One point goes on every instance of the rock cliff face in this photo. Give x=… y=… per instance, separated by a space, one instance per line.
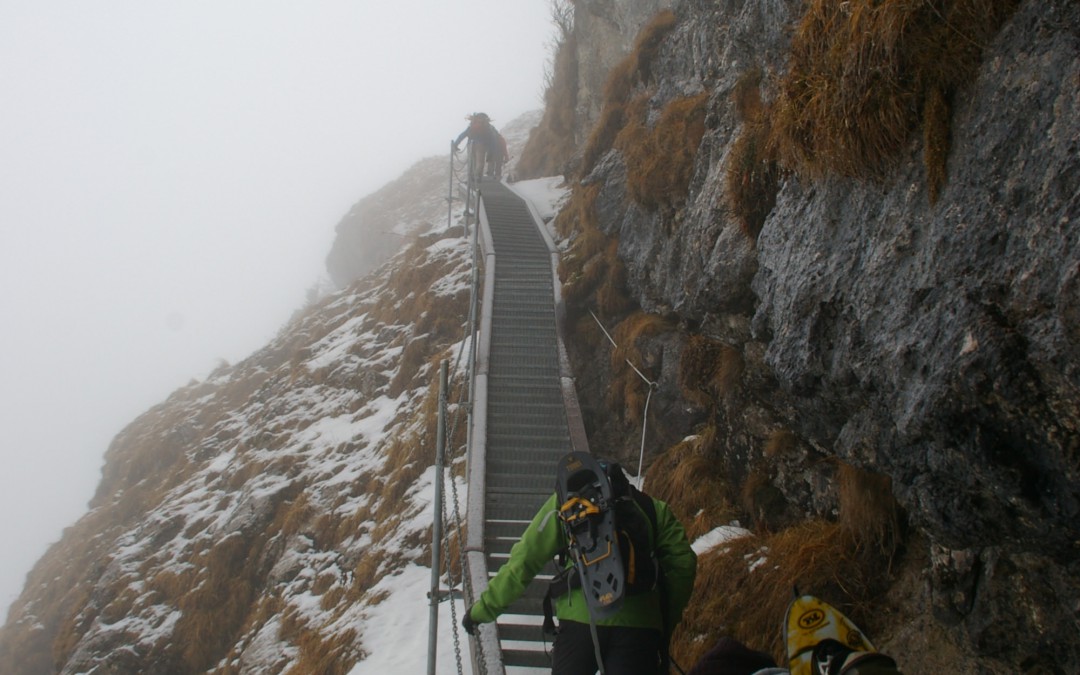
x=610 y=27
x=878 y=373
x=931 y=337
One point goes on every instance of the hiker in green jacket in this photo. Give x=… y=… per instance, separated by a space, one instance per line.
x=632 y=641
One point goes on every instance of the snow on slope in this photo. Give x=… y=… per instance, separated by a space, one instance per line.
x=277 y=515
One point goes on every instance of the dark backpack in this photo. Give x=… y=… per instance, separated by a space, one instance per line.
x=635 y=531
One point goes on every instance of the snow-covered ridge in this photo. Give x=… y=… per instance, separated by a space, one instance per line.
x=254 y=521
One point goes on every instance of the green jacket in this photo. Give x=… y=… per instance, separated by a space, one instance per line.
x=544 y=538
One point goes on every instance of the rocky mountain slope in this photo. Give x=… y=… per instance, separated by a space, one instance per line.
x=841 y=239
x=255 y=521
x=838 y=239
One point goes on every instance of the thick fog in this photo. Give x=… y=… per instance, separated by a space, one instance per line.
x=171 y=177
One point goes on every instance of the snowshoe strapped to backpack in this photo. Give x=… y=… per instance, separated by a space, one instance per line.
x=608 y=540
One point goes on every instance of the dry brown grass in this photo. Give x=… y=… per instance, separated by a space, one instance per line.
x=439 y=320
x=214 y=611
x=404 y=462
x=553 y=142
x=648 y=41
x=752 y=174
x=629 y=331
x=612 y=297
x=750 y=605
x=709 y=371
x=758 y=498
x=331 y=530
x=634 y=69
x=936 y=118
x=863 y=72
x=660 y=161
x=326 y=655
x=868 y=510
x=70 y=629
x=686 y=478
x=781 y=442
x=366 y=573
x=591 y=271
x=583 y=269
x=415 y=355
x=846 y=562
x=332 y=598
x=628 y=391
x=171 y=583
x=612 y=115
x=578 y=216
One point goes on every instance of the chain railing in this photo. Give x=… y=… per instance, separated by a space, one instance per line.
x=468 y=383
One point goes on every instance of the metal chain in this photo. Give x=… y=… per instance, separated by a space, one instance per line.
x=450 y=586
x=458 y=524
x=459 y=405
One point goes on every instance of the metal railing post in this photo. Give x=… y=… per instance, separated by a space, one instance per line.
x=436 y=529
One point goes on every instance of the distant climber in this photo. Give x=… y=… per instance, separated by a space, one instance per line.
x=489 y=151
x=633 y=639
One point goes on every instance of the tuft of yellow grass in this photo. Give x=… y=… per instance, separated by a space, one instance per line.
x=752 y=174
x=743 y=587
x=592 y=273
x=686 y=477
x=780 y=442
x=660 y=161
x=865 y=74
x=709 y=371
x=868 y=510
x=628 y=391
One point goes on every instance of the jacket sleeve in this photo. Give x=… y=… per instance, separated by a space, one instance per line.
x=678 y=561
x=462 y=135
x=538 y=545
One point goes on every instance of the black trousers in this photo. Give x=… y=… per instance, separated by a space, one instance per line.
x=626 y=651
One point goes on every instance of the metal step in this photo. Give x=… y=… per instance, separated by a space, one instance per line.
x=525 y=351
x=508 y=444
x=510 y=379
x=524 y=505
x=505 y=528
x=523 y=633
x=528 y=414
x=534 y=462
x=529 y=289
x=527 y=658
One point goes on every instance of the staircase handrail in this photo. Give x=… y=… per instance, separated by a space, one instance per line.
x=485 y=646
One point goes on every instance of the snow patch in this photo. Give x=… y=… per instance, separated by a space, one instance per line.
x=720 y=535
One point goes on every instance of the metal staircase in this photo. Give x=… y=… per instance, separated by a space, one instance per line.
x=530 y=416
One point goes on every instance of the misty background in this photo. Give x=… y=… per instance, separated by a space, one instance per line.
x=170 y=179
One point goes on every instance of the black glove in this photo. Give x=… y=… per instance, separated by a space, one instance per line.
x=467 y=622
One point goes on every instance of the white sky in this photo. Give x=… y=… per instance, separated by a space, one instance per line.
x=170 y=177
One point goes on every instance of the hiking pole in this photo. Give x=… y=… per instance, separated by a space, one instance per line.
x=580 y=564
x=450 y=195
